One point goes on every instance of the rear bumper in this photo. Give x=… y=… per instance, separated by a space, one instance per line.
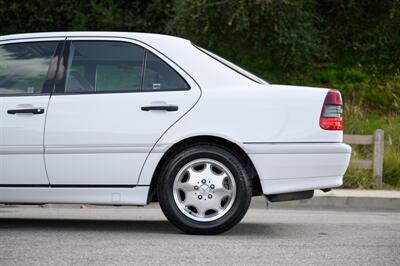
x=292 y=167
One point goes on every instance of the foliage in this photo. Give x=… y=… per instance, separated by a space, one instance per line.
x=59 y=15
x=362 y=32
x=283 y=31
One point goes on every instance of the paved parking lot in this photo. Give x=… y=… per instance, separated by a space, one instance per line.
x=141 y=236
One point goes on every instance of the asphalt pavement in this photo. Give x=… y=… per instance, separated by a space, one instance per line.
x=69 y=235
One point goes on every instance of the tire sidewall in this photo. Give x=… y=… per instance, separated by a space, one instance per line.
x=235 y=213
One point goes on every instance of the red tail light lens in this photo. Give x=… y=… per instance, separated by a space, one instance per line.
x=332 y=110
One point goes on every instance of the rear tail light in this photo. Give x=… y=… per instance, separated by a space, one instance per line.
x=331 y=115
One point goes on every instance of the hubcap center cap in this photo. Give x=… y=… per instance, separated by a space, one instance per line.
x=204 y=189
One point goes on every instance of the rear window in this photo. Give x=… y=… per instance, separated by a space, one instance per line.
x=232 y=66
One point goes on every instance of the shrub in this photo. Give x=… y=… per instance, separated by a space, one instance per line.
x=281 y=31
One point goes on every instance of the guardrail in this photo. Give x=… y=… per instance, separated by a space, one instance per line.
x=376 y=164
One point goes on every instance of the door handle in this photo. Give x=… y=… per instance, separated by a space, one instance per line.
x=35 y=111
x=168 y=108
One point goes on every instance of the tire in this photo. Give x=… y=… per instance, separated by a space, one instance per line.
x=189 y=198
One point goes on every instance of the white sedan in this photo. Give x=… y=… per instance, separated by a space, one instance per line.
x=118 y=118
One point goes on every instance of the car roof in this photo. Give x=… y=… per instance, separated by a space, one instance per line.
x=133 y=35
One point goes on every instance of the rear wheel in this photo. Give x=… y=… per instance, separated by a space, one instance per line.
x=204 y=189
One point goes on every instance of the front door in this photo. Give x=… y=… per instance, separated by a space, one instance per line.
x=26 y=75
x=115 y=100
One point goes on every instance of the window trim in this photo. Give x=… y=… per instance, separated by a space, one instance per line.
x=243 y=72
x=59 y=85
x=53 y=64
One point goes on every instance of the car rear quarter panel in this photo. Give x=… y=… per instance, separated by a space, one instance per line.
x=258 y=113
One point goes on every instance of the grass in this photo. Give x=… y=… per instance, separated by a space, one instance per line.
x=358 y=121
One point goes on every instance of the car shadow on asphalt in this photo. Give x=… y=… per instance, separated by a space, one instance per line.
x=87 y=225
x=126 y=226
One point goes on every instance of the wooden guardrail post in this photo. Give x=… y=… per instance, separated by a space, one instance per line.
x=376 y=164
x=378 y=158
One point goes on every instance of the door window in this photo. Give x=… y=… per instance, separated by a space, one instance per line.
x=159 y=76
x=104 y=66
x=24 y=67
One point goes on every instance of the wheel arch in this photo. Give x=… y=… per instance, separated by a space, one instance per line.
x=205 y=139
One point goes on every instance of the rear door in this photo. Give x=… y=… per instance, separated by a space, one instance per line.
x=27 y=70
x=114 y=101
